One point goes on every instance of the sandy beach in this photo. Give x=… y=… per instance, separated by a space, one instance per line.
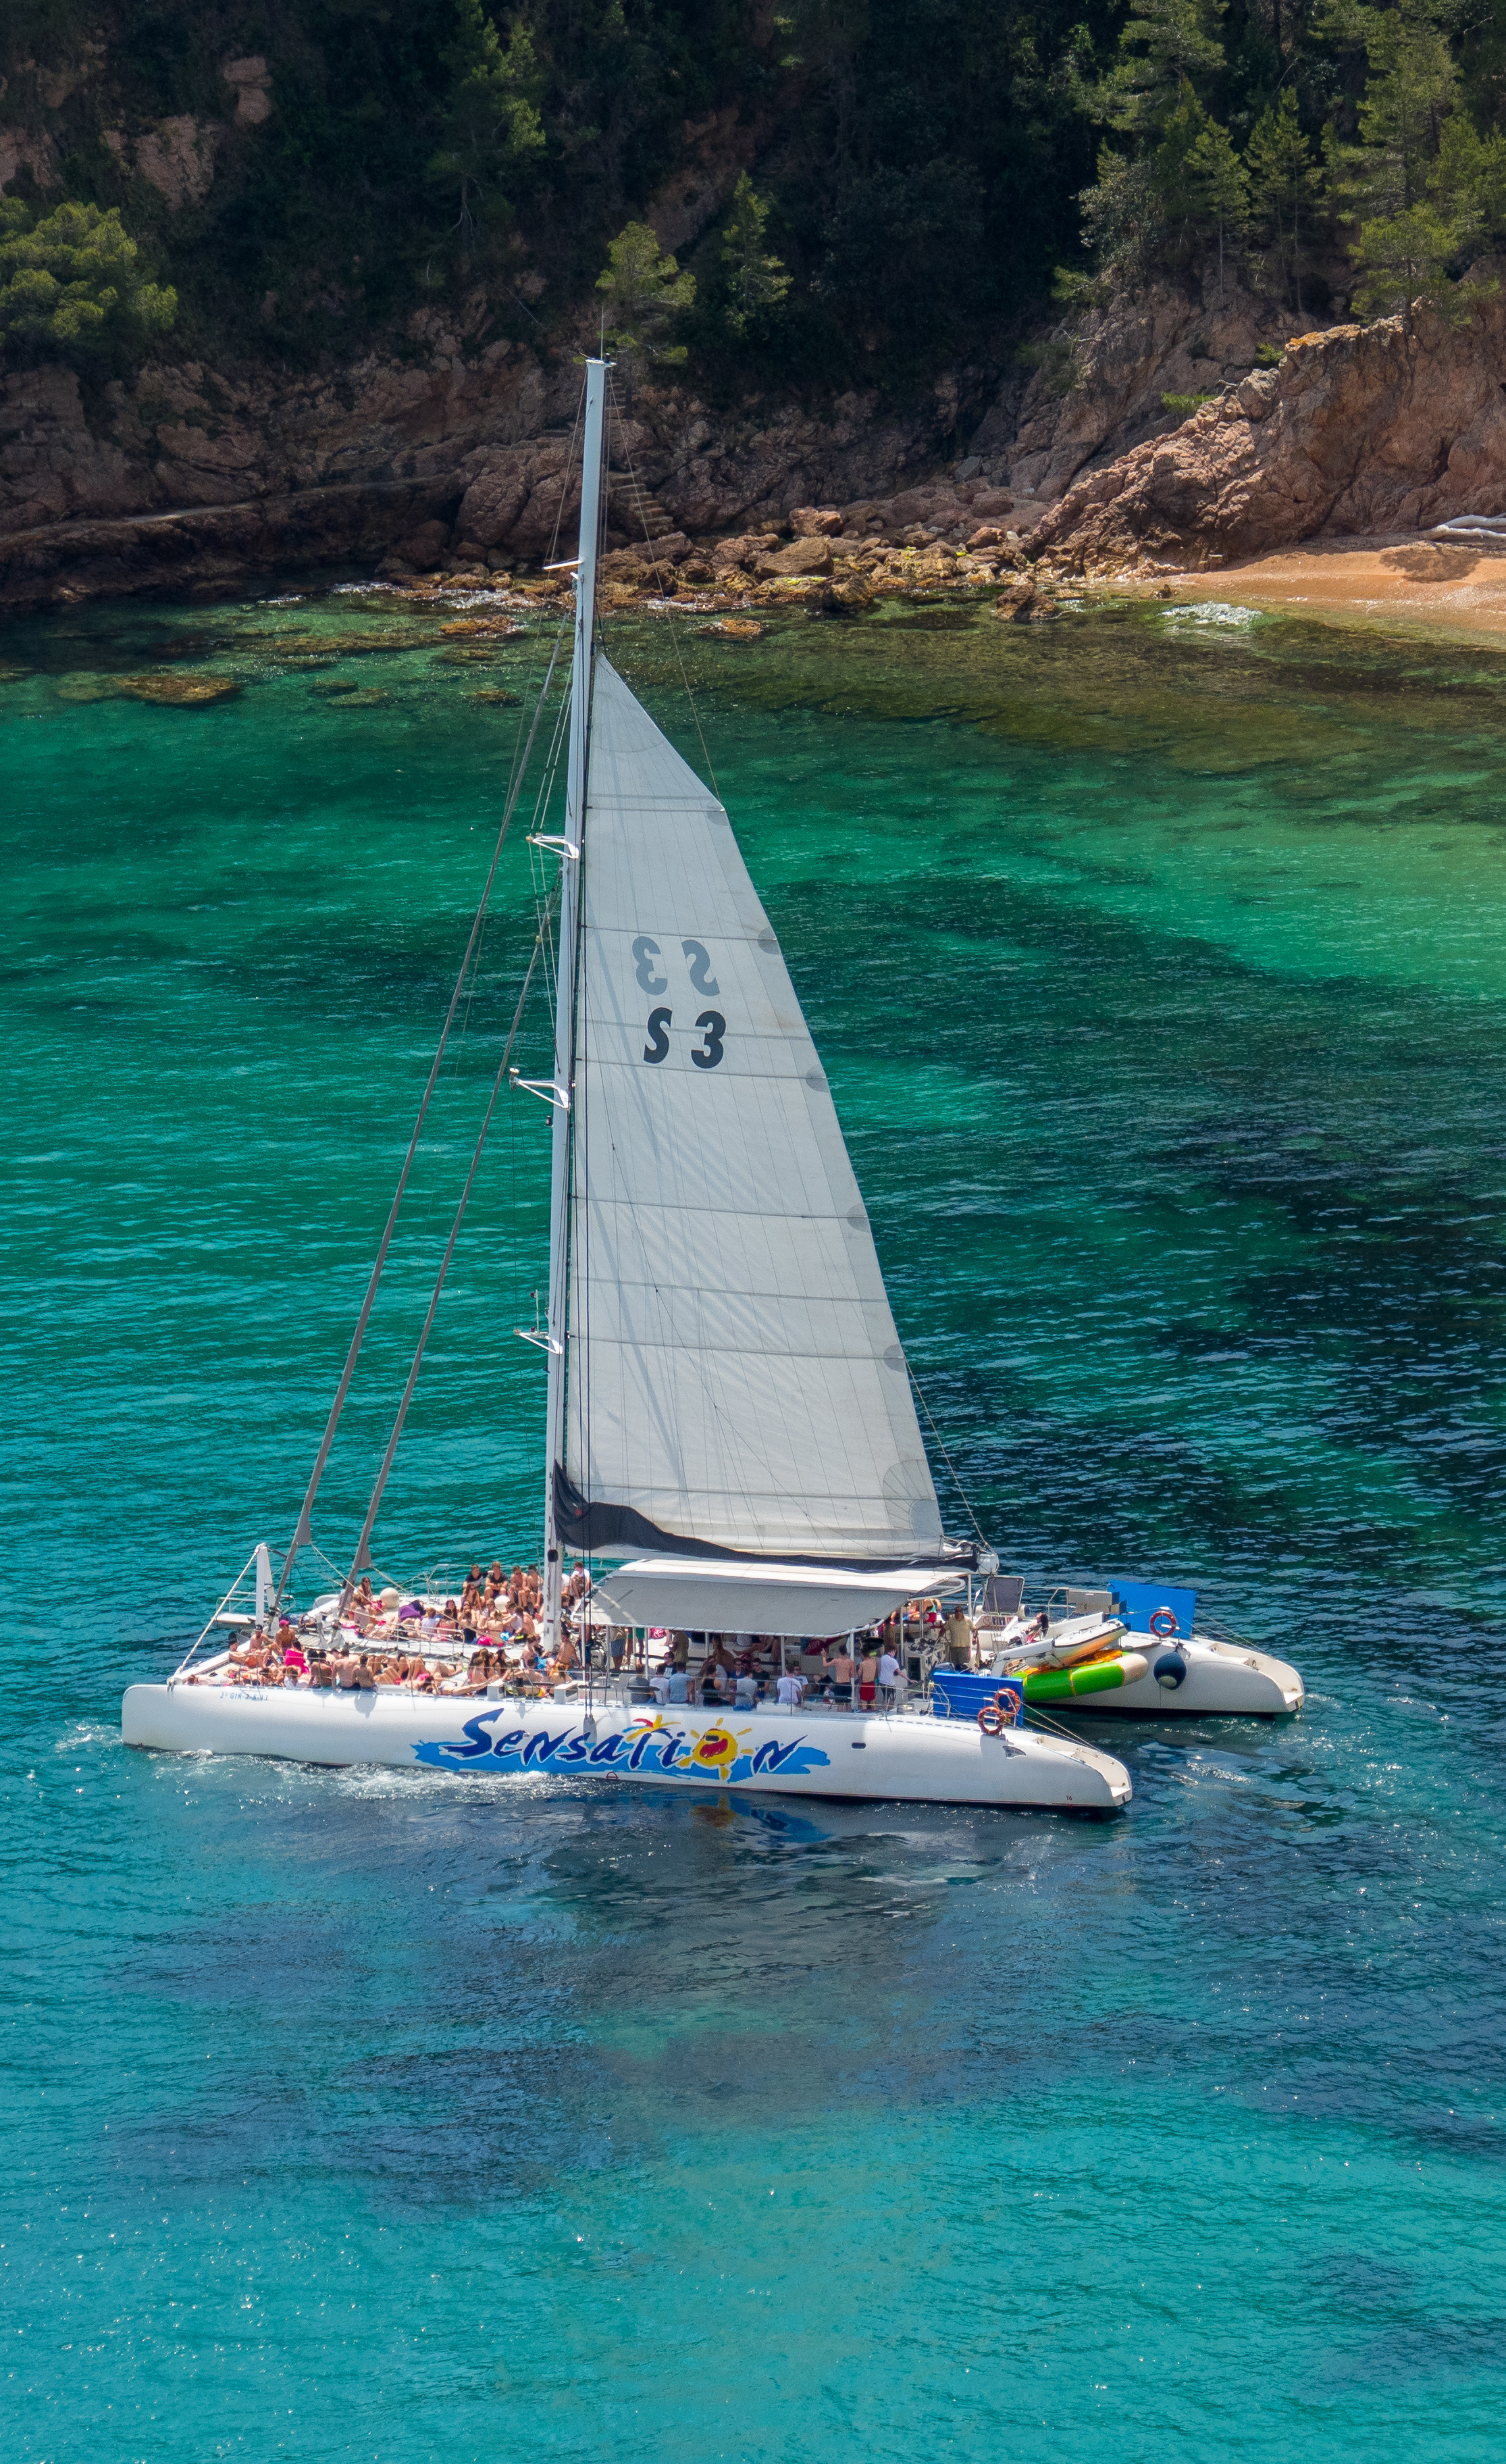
x=1409 y=582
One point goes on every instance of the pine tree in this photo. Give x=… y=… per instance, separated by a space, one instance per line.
x=1420 y=182
x=1413 y=88
x=1287 y=190
x=1467 y=182
x=1199 y=179
x=1219 y=190
x=1403 y=257
x=645 y=293
x=1139 y=209
x=757 y=283
x=1165 y=45
x=491 y=126
x=73 y=276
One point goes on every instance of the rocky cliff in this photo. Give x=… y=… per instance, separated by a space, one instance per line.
x=453 y=454
x=1100 y=379
x=1363 y=429
x=188 y=475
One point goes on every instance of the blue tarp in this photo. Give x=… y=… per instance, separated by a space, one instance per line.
x=1136 y=1602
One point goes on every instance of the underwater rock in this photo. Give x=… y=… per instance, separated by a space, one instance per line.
x=86 y=688
x=1019 y=604
x=464 y=654
x=178 y=691
x=496 y=697
x=732 y=629
x=364 y=697
x=355 y=645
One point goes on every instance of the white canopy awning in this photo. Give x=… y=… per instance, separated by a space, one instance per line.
x=720 y=1596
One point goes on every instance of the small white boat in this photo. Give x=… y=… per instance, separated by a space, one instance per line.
x=731 y=1440
x=1185 y=1672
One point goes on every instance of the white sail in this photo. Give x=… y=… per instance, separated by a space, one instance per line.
x=733 y=1376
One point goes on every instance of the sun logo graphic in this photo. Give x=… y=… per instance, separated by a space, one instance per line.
x=715 y=1752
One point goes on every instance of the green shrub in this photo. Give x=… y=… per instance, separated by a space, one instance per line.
x=74 y=277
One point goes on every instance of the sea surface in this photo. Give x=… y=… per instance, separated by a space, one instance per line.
x=1158 y=959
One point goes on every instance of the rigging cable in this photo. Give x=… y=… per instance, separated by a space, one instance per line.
x=361 y=1558
x=966 y=1502
x=302 y=1531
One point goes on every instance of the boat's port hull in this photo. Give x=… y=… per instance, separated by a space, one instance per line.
x=810 y=1753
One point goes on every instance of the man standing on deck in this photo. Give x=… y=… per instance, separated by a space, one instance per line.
x=956 y=1636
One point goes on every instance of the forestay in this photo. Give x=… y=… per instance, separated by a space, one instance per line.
x=734 y=1380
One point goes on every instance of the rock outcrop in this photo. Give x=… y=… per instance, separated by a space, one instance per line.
x=1100 y=380
x=1362 y=429
x=168 y=480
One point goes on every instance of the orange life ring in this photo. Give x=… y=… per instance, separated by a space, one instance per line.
x=998 y=1715
x=1164 y=1624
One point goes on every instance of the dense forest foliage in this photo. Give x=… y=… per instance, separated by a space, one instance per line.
x=916 y=175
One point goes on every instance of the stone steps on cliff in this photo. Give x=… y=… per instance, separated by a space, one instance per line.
x=633 y=511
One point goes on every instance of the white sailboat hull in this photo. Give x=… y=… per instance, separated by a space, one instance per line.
x=1223 y=1680
x=1219 y=1681
x=814 y=1752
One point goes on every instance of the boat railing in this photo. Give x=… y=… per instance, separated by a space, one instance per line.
x=1062 y=1600
x=257 y=1573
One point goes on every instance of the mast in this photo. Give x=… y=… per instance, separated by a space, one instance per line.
x=592 y=462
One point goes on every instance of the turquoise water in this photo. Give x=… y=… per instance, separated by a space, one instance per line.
x=1157 y=965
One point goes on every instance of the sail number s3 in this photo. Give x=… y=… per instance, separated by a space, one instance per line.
x=648 y=960
x=710 y=1024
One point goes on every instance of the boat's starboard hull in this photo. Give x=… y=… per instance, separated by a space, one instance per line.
x=804 y=1753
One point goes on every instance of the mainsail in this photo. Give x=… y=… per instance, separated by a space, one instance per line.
x=734 y=1380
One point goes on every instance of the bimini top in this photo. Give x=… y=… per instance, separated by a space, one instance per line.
x=720 y=1597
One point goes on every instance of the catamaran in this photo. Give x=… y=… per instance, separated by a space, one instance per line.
x=730 y=1438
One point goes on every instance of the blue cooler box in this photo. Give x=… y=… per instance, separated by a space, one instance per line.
x=959 y=1694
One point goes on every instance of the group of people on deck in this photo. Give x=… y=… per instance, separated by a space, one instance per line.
x=490 y=1638
x=740 y=1672
x=865 y=1672
x=491 y=1633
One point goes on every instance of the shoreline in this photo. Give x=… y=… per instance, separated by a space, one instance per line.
x=1405 y=585
x=1400 y=582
